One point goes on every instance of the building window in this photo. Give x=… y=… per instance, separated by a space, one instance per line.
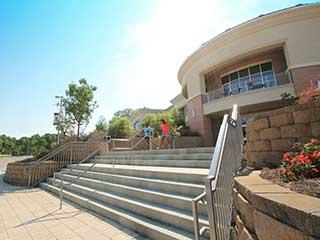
x=244 y=119
x=251 y=78
x=317 y=83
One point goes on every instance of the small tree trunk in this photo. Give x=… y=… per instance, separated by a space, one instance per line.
x=78 y=132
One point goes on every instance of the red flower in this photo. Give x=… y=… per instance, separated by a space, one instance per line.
x=287 y=155
x=303 y=162
x=315 y=155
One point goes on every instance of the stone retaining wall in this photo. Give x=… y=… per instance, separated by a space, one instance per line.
x=16 y=172
x=265 y=211
x=270 y=134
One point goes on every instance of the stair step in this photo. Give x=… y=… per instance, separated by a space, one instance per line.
x=160 y=213
x=173 y=163
x=149 y=191
x=121 y=149
x=187 y=156
x=181 y=188
x=143 y=225
x=167 y=199
x=190 y=175
x=166 y=151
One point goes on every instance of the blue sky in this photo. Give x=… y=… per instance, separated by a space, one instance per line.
x=131 y=50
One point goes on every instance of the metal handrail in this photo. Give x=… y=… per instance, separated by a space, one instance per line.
x=70 y=169
x=48 y=155
x=207 y=197
x=133 y=146
x=125 y=139
x=248 y=86
x=58 y=156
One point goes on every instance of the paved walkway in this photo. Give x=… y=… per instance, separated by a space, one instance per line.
x=34 y=214
x=5 y=160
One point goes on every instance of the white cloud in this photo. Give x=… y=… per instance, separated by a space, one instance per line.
x=154 y=50
x=146 y=66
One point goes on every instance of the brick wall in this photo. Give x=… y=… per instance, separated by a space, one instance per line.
x=180 y=142
x=303 y=76
x=271 y=134
x=198 y=122
x=277 y=57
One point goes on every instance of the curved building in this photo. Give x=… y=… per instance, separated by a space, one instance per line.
x=251 y=64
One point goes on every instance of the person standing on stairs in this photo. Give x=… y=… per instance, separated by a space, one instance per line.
x=165 y=135
x=148 y=133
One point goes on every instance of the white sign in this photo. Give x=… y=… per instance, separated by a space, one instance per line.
x=56 y=118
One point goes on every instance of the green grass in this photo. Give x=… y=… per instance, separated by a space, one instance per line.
x=4 y=155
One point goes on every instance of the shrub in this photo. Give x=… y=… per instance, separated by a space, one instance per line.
x=102 y=125
x=288 y=99
x=302 y=162
x=120 y=127
x=310 y=94
x=186 y=131
x=172 y=117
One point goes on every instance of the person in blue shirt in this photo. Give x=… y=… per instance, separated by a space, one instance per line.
x=148 y=133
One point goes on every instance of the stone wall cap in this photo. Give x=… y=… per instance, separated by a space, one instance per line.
x=295 y=209
x=291 y=108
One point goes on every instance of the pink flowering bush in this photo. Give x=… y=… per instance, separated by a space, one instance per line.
x=302 y=162
x=310 y=94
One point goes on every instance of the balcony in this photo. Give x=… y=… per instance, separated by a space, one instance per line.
x=246 y=84
x=258 y=89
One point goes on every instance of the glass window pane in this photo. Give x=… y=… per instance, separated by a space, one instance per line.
x=225 y=79
x=233 y=76
x=254 y=69
x=244 y=84
x=235 y=87
x=256 y=82
x=266 y=67
x=226 y=89
x=244 y=72
x=268 y=79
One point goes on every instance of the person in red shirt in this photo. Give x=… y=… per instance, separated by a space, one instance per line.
x=165 y=135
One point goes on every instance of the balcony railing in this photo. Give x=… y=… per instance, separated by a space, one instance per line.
x=246 y=84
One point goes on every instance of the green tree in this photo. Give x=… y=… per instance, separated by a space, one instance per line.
x=119 y=127
x=79 y=103
x=124 y=113
x=26 y=145
x=65 y=126
x=7 y=144
x=172 y=117
x=102 y=126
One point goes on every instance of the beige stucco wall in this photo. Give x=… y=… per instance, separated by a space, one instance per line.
x=179 y=101
x=263 y=95
x=139 y=114
x=296 y=29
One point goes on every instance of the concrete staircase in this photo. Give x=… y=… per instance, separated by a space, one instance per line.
x=147 y=191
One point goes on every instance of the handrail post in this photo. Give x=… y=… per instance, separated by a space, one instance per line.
x=150 y=143
x=210 y=208
x=195 y=220
x=71 y=150
x=54 y=178
x=61 y=194
x=113 y=147
x=29 y=177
